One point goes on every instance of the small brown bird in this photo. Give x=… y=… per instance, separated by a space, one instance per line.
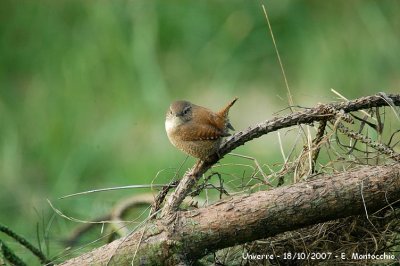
x=196 y=130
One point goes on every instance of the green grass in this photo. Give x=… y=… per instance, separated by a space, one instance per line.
x=84 y=86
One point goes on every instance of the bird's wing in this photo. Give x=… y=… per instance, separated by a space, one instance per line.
x=196 y=132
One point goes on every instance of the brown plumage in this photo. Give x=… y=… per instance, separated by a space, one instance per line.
x=196 y=130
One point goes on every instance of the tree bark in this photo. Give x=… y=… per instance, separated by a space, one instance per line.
x=241 y=219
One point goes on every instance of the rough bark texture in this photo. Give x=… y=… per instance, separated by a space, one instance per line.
x=246 y=218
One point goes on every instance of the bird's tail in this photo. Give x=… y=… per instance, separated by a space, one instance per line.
x=224 y=111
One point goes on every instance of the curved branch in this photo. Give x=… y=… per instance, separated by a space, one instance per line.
x=308 y=116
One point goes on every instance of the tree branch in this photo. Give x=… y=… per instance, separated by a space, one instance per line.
x=308 y=116
x=247 y=218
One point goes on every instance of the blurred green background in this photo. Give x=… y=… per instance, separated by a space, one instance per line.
x=84 y=86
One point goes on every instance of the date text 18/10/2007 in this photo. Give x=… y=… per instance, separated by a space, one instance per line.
x=318 y=256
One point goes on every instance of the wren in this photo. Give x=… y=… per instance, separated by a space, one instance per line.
x=196 y=130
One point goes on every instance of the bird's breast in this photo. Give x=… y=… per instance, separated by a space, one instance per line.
x=169 y=125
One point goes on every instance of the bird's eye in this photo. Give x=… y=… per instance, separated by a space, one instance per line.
x=186 y=110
